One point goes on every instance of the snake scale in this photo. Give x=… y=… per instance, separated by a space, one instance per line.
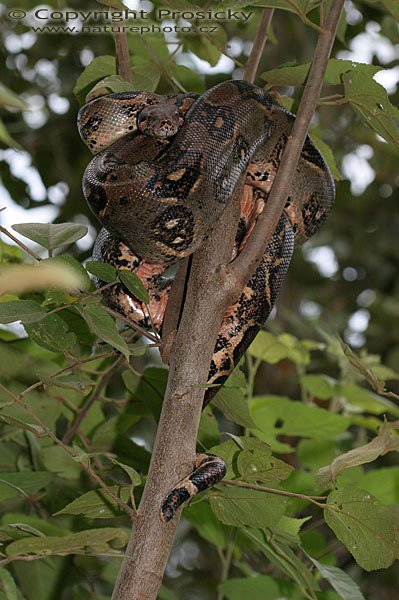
x=164 y=169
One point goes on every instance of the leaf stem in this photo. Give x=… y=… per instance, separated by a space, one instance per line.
x=263 y=488
x=226 y=561
x=19 y=243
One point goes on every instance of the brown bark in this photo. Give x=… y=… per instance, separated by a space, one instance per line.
x=252 y=65
x=213 y=284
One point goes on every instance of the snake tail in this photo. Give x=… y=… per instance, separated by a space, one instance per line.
x=208 y=470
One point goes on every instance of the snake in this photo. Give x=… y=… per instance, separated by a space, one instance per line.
x=163 y=172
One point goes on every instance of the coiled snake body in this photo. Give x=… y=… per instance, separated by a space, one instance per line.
x=163 y=171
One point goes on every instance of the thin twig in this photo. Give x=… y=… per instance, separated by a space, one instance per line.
x=263 y=488
x=210 y=287
x=122 y=56
x=259 y=44
x=132 y=325
x=226 y=561
x=19 y=243
x=79 y=362
x=101 y=385
x=122 y=505
x=246 y=262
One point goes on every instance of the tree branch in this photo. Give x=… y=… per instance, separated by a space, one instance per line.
x=247 y=261
x=96 y=394
x=122 y=56
x=259 y=45
x=172 y=458
x=176 y=297
x=211 y=287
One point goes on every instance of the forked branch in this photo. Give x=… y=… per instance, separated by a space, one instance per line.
x=210 y=289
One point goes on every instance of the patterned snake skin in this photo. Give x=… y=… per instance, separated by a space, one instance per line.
x=163 y=171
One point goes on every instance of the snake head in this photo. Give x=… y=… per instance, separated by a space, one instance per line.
x=160 y=120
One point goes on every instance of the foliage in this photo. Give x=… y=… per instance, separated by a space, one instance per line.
x=302 y=423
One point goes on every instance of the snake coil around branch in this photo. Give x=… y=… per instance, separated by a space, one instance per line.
x=165 y=167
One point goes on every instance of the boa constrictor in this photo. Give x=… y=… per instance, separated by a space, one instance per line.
x=163 y=171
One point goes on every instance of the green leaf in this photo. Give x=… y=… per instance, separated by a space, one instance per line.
x=26 y=311
x=256 y=463
x=301 y=7
x=147 y=392
x=386 y=441
x=371 y=102
x=10 y=100
x=288 y=529
x=391 y=6
x=276 y=416
x=155 y=50
x=313 y=454
x=339 y=580
x=99 y=68
x=229 y=452
x=208 y=432
x=204 y=47
x=113 y=4
x=284 y=558
x=134 y=285
x=20 y=521
x=101 y=270
x=51 y=333
x=366 y=400
x=367 y=528
x=231 y=400
x=21 y=484
x=6 y=138
x=207 y=525
x=8 y=585
x=103 y=325
x=165 y=594
x=327 y=154
x=109 y=85
x=145 y=76
x=260 y=587
x=91 y=542
x=188 y=78
x=240 y=506
x=385 y=373
x=293 y=74
x=56 y=460
x=46 y=575
x=383 y=483
x=24 y=278
x=73 y=264
x=97 y=504
x=268 y=348
x=78 y=381
x=52 y=236
x=272 y=349
x=319 y=386
x=134 y=476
